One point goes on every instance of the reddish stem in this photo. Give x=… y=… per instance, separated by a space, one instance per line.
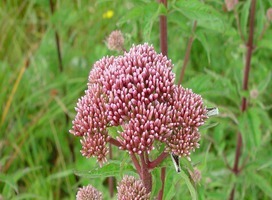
x=164 y=50
x=136 y=163
x=158 y=160
x=163 y=31
x=114 y=142
x=146 y=175
x=163 y=172
x=250 y=49
x=110 y=179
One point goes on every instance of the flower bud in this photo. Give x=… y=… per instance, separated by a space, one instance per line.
x=130 y=189
x=115 y=41
x=230 y=4
x=88 y=193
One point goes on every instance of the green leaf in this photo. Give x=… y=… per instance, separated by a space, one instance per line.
x=264 y=84
x=172 y=178
x=113 y=131
x=170 y=182
x=200 y=35
x=8 y=180
x=112 y=168
x=205 y=15
x=189 y=185
x=59 y=175
x=156 y=179
x=244 y=17
x=250 y=128
x=177 y=69
x=22 y=172
x=260 y=182
x=148 y=12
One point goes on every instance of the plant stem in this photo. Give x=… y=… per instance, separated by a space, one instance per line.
x=250 y=48
x=163 y=31
x=158 y=160
x=57 y=39
x=187 y=53
x=136 y=163
x=145 y=174
x=114 y=142
x=110 y=179
x=164 y=50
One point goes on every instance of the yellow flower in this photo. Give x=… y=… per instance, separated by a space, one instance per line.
x=108 y=14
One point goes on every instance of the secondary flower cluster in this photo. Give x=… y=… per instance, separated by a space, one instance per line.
x=137 y=92
x=129 y=188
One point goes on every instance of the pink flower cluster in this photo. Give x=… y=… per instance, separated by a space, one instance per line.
x=131 y=189
x=137 y=92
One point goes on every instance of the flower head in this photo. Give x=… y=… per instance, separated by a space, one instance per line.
x=137 y=92
x=88 y=193
x=115 y=41
x=132 y=189
x=90 y=123
x=230 y=4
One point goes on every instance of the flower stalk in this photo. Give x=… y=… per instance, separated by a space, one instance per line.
x=250 y=47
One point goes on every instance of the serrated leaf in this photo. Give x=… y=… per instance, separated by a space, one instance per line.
x=112 y=168
x=205 y=15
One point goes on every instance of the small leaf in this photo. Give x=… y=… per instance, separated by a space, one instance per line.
x=59 y=175
x=112 y=168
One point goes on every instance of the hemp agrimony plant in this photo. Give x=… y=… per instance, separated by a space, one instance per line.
x=135 y=93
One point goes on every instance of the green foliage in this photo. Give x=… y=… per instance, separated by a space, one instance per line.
x=38 y=157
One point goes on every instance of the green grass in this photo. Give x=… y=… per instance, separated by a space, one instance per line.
x=38 y=156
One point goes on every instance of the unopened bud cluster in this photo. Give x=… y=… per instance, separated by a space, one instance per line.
x=137 y=92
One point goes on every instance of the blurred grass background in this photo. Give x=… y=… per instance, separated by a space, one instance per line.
x=37 y=99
